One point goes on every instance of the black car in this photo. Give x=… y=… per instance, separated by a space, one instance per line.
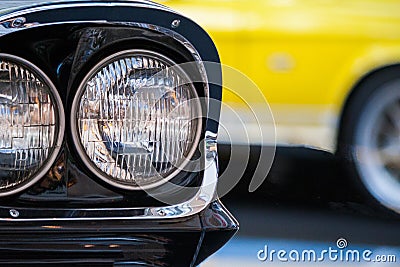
x=108 y=122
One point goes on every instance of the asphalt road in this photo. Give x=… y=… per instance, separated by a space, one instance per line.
x=307 y=202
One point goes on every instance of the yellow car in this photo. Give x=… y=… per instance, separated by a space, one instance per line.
x=330 y=71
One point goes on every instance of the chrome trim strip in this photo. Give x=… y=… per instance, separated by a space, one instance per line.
x=199 y=202
x=61 y=117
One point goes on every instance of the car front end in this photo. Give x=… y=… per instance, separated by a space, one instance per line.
x=109 y=117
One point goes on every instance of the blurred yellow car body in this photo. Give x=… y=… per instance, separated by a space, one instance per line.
x=305 y=55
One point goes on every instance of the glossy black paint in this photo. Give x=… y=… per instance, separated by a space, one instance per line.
x=218 y=227
x=173 y=242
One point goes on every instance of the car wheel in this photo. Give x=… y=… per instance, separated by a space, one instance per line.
x=370 y=138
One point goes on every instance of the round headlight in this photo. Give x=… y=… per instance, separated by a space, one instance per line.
x=136 y=119
x=31 y=124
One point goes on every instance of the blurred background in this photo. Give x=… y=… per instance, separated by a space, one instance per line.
x=305 y=203
x=299 y=80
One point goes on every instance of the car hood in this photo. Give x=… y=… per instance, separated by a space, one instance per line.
x=7 y=6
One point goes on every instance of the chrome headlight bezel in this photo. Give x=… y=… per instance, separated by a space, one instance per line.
x=59 y=127
x=75 y=129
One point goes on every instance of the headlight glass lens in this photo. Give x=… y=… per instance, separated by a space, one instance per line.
x=29 y=124
x=137 y=119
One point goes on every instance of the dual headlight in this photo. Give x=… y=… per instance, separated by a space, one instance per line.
x=135 y=121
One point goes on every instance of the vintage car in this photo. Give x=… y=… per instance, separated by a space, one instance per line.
x=107 y=153
x=330 y=71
